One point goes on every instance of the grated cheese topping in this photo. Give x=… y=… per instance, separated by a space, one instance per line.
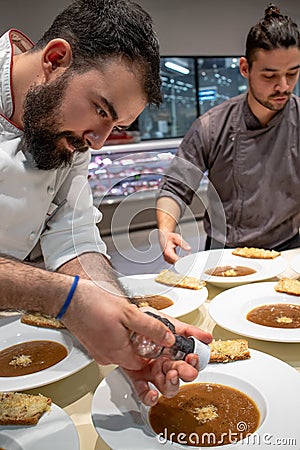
x=284 y=319
x=206 y=413
x=20 y=361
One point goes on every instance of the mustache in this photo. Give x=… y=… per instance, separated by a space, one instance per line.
x=279 y=95
x=79 y=144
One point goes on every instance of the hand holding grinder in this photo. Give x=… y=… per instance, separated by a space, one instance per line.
x=179 y=350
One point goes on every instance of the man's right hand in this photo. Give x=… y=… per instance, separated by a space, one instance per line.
x=103 y=322
x=169 y=242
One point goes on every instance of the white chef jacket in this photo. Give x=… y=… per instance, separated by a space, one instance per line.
x=54 y=207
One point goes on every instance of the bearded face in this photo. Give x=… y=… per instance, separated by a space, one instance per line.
x=43 y=136
x=270 y=101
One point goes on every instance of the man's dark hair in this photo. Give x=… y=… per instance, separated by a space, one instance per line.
x=100 y=30
x=273 y=31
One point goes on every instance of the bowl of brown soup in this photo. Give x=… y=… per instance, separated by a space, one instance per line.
x=217 y=410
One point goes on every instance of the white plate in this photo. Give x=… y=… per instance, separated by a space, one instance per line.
x=229 y=309
x=185 y=300
x=54 y=430
x=274 y=384
x=295 y=263
x=197 y=264
x=14 y=332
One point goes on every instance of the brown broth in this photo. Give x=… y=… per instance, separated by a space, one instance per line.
x=155 y=301
x=280 y=315
x=207 y=414
x=42 y=354
x=230 y=271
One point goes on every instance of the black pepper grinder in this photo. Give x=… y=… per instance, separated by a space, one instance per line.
x=180 y=349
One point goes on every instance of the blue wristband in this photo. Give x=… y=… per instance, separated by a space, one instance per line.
x=69 y=298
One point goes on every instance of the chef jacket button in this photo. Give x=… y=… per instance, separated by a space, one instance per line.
x=32 y=236
x=50 y=190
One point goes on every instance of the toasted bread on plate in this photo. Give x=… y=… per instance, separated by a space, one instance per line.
x=22 y=409
x=41 y=320
x=230 y=350
x=288 y=286
x=252 y=252
x=171 y=278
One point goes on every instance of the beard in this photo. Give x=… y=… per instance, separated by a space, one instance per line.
x=267 y=102
x=42 y=124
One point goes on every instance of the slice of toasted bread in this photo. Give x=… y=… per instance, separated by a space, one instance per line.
x=41 y=320
x=230 y=350
x=175 y=279
x=257 y=253
x=288 y=286
x=22 y=409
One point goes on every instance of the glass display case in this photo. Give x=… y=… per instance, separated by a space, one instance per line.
x=218 y=80
x=190 y=87
x=124 y=180
x=179 y=108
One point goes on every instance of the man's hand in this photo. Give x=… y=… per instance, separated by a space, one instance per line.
x=169 y=242
x=164 y=373
x=167 y=216
x=185 y=329
x=104 y=322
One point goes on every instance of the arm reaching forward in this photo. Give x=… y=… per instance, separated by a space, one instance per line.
x=167 y=216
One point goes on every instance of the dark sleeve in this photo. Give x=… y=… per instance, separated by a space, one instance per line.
x=186 y=170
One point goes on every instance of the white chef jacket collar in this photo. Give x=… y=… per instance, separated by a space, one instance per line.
x=11 y=43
